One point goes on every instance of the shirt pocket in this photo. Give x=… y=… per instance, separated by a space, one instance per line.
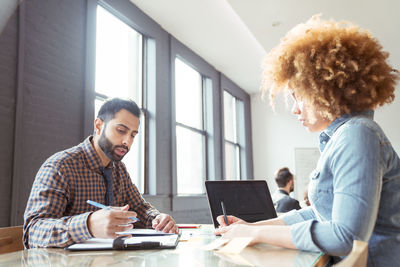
x=314 y=175
x=313 y=186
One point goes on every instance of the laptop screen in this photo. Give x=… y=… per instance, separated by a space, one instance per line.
x=249 y=200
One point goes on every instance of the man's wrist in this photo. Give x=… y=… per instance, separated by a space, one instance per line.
x=78 y=227
x=89 y=225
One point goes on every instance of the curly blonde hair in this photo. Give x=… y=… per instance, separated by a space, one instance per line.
x=335 y=66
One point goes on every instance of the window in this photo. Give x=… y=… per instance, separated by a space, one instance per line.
x=119 y=74
x=190 y=132
x=232 y=146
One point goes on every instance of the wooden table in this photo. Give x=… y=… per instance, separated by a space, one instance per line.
x=188 y=253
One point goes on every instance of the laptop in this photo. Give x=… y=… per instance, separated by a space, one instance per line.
x=249 y=200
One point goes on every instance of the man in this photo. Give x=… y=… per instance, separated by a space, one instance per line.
x=282 y=201
x=57 y=213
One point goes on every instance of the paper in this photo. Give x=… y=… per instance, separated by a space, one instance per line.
x=216 y=244
x=95 y=243
x=190 y=236
x=143 y=232
x=236 y=245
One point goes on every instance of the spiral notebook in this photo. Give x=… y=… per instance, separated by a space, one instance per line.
x=168 y=241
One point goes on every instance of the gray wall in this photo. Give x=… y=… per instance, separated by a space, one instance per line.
x=42 y=71
x=8 y=81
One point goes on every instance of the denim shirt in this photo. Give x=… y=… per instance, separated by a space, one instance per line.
x=354 y=193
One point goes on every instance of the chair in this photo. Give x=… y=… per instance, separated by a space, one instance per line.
x=11 y=239
x=357 y=257
x=322 y=261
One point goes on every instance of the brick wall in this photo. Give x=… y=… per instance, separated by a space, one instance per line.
x=8 y=74
x=49 y=108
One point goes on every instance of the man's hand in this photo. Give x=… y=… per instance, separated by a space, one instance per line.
x=164 y=222
x=104 y=223
x=231 y=220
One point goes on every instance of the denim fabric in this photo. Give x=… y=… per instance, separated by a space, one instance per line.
x=354 y=193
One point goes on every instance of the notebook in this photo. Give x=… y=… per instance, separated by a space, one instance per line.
x=249 y=200
x=128 y=243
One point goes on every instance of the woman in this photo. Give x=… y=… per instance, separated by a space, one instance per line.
x=337 y=75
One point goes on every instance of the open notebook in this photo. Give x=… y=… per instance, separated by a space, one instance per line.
x=147 y=239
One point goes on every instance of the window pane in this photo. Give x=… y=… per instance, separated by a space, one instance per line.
x=190 y=161
x=97 y=105
x=119 y=74
x=134 y=160
x=118 y=58
x=188 y=95
x=230 y=117
x=232 y=168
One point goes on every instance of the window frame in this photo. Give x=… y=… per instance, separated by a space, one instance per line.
x=158 y=51
x=152 y=36
x=142 y=104
x=203 y=132
x=243 y=128
x=211 y=118
x=238 y=137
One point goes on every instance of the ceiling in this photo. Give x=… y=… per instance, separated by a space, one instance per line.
x=234 y=35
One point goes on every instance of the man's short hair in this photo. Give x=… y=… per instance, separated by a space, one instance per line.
x=112 y=106
x=283 y=176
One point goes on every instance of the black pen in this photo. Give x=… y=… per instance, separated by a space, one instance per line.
x=224 y=212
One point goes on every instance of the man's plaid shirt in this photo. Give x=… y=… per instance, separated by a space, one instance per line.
x=56 y=213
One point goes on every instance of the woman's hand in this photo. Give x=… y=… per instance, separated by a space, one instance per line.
x=239 y=230
x=231 y=220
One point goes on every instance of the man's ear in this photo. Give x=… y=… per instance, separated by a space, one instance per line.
x=98 y=124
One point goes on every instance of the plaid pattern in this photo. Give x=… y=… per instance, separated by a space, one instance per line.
x=56 y=213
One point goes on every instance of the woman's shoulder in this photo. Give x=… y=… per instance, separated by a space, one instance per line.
x=359 y=127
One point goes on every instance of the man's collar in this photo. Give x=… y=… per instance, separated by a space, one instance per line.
x=283 y=192
x=93 y=160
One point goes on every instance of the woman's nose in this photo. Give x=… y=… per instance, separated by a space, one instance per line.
x=295 y=108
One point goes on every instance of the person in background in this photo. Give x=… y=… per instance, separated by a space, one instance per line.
x=57 y=213
x=305 y=197
x=281 y=199
x=337 y=75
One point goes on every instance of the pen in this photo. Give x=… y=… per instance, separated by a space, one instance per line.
x=101 y=206
x=224 y=212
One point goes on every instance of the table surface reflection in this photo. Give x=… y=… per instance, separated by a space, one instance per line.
x=187 y=253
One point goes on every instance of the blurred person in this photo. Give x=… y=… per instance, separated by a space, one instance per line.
x=305 y=197
x=281 y=199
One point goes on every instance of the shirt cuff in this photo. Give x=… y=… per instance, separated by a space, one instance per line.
x=150 y=217
x=292 y=217
x=296 y=216
x=302 y=236
x=78 y=228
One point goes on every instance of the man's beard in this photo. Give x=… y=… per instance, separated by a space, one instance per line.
x=108 y=148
